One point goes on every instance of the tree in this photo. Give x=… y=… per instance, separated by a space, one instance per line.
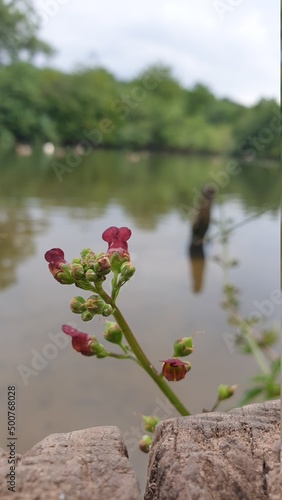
x=18 y=27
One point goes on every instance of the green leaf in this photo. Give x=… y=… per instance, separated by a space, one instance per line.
x=250 y=394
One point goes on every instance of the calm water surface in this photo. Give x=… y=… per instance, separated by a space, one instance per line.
x=151 y=194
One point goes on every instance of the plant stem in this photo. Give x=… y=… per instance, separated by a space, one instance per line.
x=255 y=349
x=141 y=356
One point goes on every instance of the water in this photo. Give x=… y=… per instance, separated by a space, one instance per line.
x=151 y=194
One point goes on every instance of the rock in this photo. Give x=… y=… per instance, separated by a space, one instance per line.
x=218 y=456
x=80 y=465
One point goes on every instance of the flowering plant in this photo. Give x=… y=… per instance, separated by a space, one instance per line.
x=89 y=273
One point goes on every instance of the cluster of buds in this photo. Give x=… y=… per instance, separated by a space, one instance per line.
x=150 y=423
x=91 y=269
x=90 y=307
x=88 y=272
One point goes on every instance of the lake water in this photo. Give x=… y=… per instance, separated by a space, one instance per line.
x=152 y=194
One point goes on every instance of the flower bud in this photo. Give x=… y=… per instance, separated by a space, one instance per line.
x=77 y=270
x=174 y=369
x=86 y=316
x=126 y=271
x=90 y=275
x=183 y=347
x=113 y=332
x=225 y=391
x=107 y=310
x=102 y=265
x=145 y=443
x=77 y=305
x=116 y=262
x=64 y=276
x=87 y=257
x=94 y=304
x=150 y=422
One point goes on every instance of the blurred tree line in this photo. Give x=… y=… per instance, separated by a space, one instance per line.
x=153 y=111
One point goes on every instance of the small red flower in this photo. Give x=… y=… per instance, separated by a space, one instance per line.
x=117 y=238
x=173 y=369
x=55 y=257
x=81 y=342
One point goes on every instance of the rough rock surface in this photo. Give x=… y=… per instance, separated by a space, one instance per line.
x=217 y=456
x=80 y=465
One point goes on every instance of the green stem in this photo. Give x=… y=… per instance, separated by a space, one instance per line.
x=141 y=356
x=257 y=352
x=121 y=356
x=215 y=406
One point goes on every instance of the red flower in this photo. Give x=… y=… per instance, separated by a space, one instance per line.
x=56 y=260
x=117 y=238
x=81 y=342
x=174 y=369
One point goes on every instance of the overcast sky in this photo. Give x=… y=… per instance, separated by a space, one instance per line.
x=230 y=45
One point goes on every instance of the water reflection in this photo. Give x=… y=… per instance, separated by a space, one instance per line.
x=200 y=225
x=153 y=197
x=197 y=261
x=146 y=190
x=17 y=230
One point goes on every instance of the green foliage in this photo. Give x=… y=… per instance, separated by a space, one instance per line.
x=257 y=131
x=44 y=104
x=18 y=27
x=153 y=111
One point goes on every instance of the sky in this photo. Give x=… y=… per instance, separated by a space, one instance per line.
x=232 y=46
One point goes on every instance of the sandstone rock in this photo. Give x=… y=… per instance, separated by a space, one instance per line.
x=218 y=456
x=80 y=465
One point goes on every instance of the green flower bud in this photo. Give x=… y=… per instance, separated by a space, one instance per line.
x=64 y=276
x=86 y=316
x=183 y=347
x=77 y=305
x=145 y=443
x=94 y=304
x=107 y=311
x=113 y=333
x=225 y=391
x=116 y=262
x=90 y=275
x=150 y=423
x=126 y=271
x=87 y=257
x=77 y=270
